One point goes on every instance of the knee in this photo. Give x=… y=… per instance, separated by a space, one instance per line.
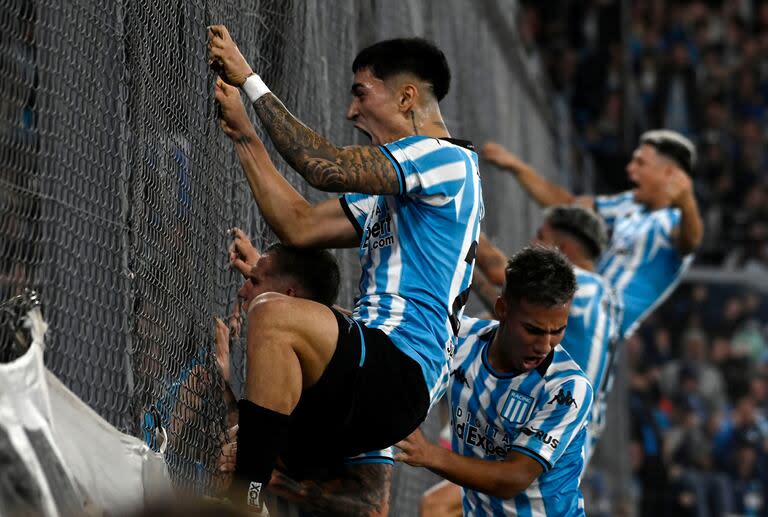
x=431 y=505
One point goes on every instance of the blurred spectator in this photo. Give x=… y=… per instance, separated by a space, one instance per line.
x=693 y=376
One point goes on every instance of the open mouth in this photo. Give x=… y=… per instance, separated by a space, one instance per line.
x=363 y=131
x=532 y=361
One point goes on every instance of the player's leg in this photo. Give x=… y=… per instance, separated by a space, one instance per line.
x=290 y=343
x=441 y=500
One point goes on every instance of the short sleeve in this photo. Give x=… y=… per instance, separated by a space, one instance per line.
x=561 y=412
x=430 y=169
x=666 y=220
x=385 y=456
x=611 y=208
x=357 y=207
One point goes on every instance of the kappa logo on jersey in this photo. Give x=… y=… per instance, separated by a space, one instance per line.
x=517 y=407
x=379 y=234
x=540 y=435
x=460 y=376
x=564 y=399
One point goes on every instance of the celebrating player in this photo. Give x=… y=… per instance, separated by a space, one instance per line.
x=366 y=381
x=519 y=403
x=655 y=228
x=361 y=487
x=595 y=316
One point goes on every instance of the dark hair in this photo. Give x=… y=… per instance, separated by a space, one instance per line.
x=673 y=146
x=540 y=275
x=413 y=55
x=580 y=223
x=315 y=269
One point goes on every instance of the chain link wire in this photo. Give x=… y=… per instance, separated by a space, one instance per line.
x=117 y=187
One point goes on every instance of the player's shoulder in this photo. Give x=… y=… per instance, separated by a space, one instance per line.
x=564 y=370
x=472 y=332
x=418 y=147
x=475 y=327
x=624 y=199
x=666 y=218
x=586 y=278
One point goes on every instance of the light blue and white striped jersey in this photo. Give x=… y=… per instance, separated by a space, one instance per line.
x=386 y=456
x=591 y=339
x=417 y=249
x=641 y=262
x=541 y=413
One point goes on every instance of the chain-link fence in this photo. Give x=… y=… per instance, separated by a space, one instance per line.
x=117 y=187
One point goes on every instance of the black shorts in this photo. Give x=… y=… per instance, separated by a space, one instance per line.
x=370 y=396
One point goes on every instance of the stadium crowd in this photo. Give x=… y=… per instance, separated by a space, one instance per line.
x=699 y=364
x=699 y=404
x=696 y=67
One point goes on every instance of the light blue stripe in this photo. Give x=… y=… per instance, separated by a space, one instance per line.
x=362 y=344
x=523 y=505
x=367 y=461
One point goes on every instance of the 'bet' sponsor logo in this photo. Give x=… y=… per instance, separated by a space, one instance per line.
x=379 y=234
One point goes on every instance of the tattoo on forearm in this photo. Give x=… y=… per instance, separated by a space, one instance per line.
x=323 y=165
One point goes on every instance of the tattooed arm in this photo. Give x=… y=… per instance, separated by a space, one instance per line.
x=294 y=220
x=362 y=492
x=357 y=168
x=362 y=169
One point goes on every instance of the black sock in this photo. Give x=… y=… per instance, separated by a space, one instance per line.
x=259 y=440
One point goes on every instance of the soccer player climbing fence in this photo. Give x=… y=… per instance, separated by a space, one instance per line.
x=117 y=188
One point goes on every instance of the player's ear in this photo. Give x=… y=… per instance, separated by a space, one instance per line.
x=500 y=309
x=408 y=94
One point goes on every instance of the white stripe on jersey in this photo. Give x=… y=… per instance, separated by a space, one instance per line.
x=414 y=247
x=480 y=399
x=394 y=272
x=416 y=150
x=641 y=261
x=471 y=235
x=443 y=174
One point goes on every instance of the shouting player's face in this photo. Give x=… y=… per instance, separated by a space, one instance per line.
x=374 y=108
x=647 y=170
x=529 y=332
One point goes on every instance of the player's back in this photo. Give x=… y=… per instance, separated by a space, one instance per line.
x=592 y=338
x=417 y=248
x=641 y=261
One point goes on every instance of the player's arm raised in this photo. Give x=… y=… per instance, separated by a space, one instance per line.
x=325 y=166
x=491 y=260
x=543 y=191
x=688 y=233
x=504 y=479
x=485 y=290
x=295 y=221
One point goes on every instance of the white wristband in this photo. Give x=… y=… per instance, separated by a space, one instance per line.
x=254 y=87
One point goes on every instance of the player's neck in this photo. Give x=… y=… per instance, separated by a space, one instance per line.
x=583 y=263
x=496 y=356
x=428 y=121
